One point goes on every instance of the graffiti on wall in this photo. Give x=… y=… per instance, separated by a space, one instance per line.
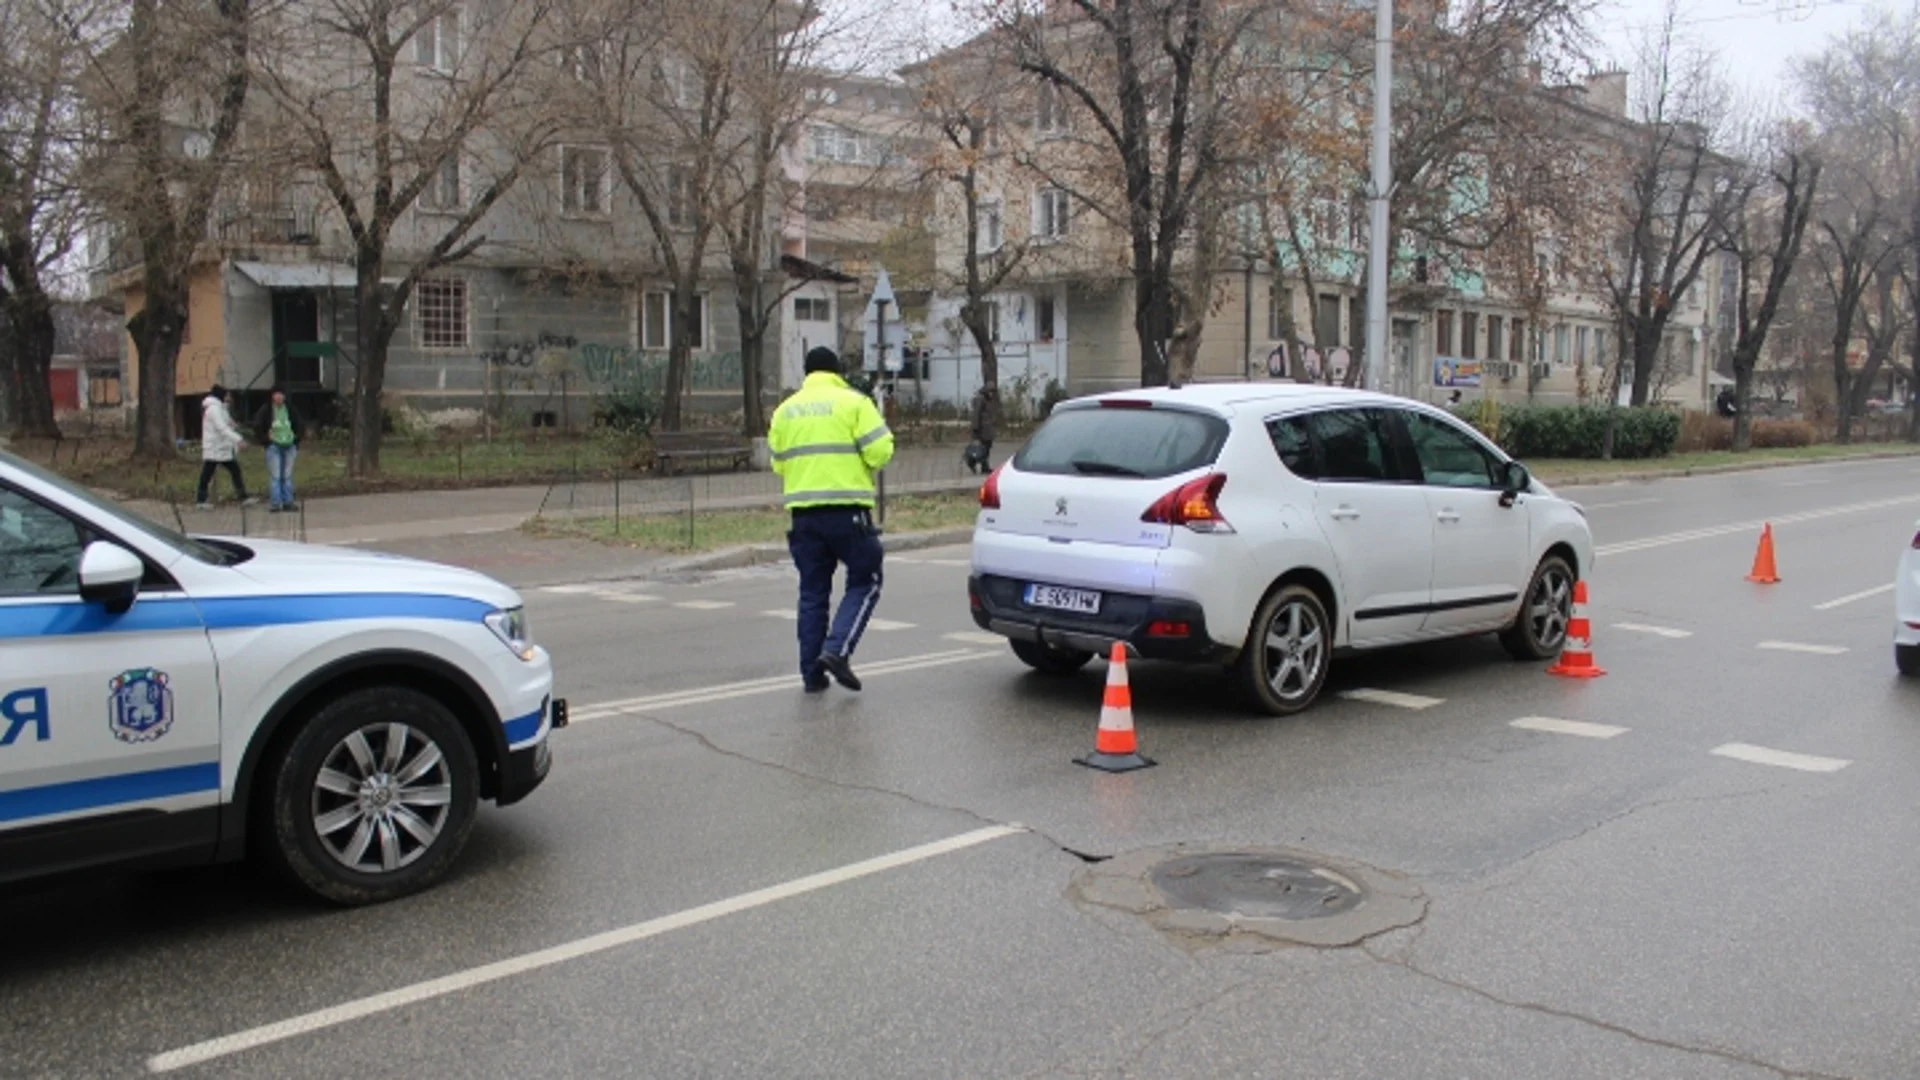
x=556 y=355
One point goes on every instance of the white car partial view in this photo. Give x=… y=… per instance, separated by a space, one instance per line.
x=1265 y=528
x=1906 y=593
x=168 y=700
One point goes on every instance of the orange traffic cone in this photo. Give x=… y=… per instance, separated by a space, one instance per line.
x=1576 y=658
x=1764 y=571
x=1114 y=747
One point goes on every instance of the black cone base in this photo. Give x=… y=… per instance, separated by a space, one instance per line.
x=1114 y=762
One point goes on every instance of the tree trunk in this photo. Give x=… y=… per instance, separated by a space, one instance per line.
x=973 y=315
x=157 y=330
x=1646 y=353
x=686 y=309
x=753 y=340
x=1743 y=396
x=1153 y=322
x=373 y=333
x=30 y=327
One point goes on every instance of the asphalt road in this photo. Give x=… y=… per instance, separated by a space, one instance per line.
x=1721 y=886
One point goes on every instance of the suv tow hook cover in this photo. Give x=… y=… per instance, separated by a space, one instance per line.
x=559 y=716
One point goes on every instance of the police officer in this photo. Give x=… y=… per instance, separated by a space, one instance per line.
x=828 y=440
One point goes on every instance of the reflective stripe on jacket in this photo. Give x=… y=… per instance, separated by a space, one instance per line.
x=827 y=442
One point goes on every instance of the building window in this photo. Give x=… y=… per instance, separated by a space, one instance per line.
x=1050 y=214
x=437 y=43
x=1580 y=335
x=1443 y=333
x=678 y=83
x=656 y=321
x=1517 y=346
x=584 y=62
x=1050 y=117
x=1277 y=301
x=830 y=142
x=679 y=198
x=1469 y=335
x=443 y=192
x=993 y=321
x=1496 y=342
x=1560 y=345
x=1357 y=324
x=1600 y=343
x=1326 y=325
x=583 y=180
x=440 y=313
x=1043 y=319
x=993 y=229
x=809 y=309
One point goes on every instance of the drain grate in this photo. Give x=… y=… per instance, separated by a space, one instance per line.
x=1251 y=886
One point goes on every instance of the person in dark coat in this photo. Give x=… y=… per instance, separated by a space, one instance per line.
x=983 y=426
x=279 y=429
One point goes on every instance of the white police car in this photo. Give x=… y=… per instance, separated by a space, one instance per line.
x=166 y=700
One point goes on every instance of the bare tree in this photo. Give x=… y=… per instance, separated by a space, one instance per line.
x=1765 y=243
x=39 y=209
x=394 y=106
x=1680 y=193
x=166 y=88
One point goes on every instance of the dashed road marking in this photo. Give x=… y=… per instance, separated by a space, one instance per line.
x=788 y=614
x=1732 y=528
x=968 y=563
x=1864 y=594
x=704 y=605
x=610 y=593
x=361 y=1008
x=1390 y=697
x=889 y=624
x=1656 y=631
x=976 y=637
x=1760 y=755
x=703 y=695
x=1568 y=727
x=1623 y=502
x=1802 y=647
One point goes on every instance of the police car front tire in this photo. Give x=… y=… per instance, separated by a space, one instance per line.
x=374 y=797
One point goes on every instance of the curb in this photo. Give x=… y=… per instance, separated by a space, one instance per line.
x=1732 y=467
x=737 y=558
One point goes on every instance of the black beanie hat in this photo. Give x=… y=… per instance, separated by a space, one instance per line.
x=821 y=358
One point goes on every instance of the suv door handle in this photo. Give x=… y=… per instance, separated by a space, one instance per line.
x=1344 y=513
x=1449 y=517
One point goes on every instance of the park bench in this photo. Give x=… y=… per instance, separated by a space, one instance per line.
x=671 y=449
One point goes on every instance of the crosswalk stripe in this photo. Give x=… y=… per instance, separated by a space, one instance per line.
x=1568 y=727
x=1389 y=697
x=1761 y=755
x=704 y=605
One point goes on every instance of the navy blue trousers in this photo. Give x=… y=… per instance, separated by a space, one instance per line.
x=821 y=541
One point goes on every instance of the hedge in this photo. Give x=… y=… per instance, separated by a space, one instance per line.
x=1575 y=431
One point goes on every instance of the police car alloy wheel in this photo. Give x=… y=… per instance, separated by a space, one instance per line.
x=374 y=797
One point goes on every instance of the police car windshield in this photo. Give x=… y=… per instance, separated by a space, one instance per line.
x=179 y=541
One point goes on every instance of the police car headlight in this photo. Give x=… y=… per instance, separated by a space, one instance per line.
x=510 y=626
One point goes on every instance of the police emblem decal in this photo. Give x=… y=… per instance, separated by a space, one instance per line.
x=140 y=707
x=1060 y=507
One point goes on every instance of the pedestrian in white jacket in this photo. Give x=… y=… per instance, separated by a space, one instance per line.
x=220 y=445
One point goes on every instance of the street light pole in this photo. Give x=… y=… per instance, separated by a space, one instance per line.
x=1377 y=246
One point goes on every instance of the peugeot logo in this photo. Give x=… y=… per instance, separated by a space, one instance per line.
x=1060 y=507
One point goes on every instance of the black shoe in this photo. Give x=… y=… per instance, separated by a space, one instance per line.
x=841 y=670
x=820 y=687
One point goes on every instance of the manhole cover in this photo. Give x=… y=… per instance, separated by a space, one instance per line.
x=1256 y=886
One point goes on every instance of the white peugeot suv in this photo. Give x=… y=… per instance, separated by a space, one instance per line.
x=1265 y=527
x=168 y=700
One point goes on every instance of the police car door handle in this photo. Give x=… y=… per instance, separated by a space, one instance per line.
x=1449 y=516
x=1344 y=513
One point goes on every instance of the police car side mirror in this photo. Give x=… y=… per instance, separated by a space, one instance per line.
x=110 y=575
x=1516 y=481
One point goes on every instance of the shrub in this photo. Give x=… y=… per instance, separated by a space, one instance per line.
x=1700 y=431
x=1580 y=431
x=1776 y=434
x=630 y=410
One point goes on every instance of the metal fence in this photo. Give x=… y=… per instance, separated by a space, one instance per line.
x=227 y=519
x=613 y=503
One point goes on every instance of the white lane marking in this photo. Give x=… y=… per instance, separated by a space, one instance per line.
x=610 y=593
x=1656 y=631
x=702 y=695
x=976 y=637
x=889 y=624
x=570 y=590
x=782 y=613
x=1623 y=502
x=1760 y=755
x=1802 y=647
x=346 y=1012
x=968 y=563
x=1803 y=483
x=1389 y=697
x=1650 y=542
x=704 y=605
x=1845 y=600
x=1568 y=727
x=626 y=598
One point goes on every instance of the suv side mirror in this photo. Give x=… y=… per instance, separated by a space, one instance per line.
x=110 y=575
x=1516 y=481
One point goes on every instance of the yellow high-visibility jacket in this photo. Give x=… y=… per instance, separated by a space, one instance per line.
x=828 y=440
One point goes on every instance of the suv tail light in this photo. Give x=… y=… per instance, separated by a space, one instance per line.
x=1916 y=541
x=1194 y=504
x=990 y=491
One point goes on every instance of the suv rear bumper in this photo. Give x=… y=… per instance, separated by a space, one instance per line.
x=997 y=607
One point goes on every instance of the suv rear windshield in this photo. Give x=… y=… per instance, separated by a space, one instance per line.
x=1131 y=443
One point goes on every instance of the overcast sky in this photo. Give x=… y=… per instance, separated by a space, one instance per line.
x=1756 y=39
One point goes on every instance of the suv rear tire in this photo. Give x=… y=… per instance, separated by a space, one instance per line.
x=1048 y=660
x=1289 y=644
x=374 y=797
x=1539 y=631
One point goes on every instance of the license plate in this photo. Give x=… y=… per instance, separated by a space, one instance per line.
x=1084 y=601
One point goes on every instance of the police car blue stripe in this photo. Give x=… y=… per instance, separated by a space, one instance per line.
x=233 y=613
x=521 y=729
x=105 y=792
